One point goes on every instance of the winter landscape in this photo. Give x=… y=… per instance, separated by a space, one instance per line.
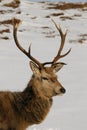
x=69 y=112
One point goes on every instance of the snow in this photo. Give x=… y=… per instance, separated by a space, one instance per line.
x=69 y=112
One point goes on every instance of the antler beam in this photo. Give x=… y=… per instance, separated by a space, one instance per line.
x=63 y=36
x=16 y=24
x=58 y=56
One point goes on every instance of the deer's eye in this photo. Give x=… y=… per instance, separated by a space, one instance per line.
x=44 y=78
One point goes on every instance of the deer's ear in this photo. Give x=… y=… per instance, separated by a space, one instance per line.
x=34 y=68
x=58 y=66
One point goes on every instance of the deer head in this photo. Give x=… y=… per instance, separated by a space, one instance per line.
x=47 y=77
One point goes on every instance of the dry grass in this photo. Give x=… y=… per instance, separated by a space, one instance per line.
x=64 y=6
x=5 y=38
x=6 y=22
x=66 y=18
x=4 y=30
x=82 y=38
x=13 y=4
x=9 y=21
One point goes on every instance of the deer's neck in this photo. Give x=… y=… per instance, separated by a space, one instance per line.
x=34 y=105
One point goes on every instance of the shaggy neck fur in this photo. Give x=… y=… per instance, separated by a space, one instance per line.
x=32 y=104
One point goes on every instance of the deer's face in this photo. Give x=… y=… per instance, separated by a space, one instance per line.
x=49 y=84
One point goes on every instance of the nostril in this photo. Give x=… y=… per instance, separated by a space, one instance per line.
x=63 y=90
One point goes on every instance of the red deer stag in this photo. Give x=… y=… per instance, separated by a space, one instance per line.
x=18 y=110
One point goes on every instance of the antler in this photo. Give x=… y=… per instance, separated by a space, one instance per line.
x=16 y=23
x=58 y=56
x=63 y=36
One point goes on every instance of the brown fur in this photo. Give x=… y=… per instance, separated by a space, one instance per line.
x=21 y=109
x=15 y=113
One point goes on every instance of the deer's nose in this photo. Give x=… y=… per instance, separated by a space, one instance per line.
x=62 y=90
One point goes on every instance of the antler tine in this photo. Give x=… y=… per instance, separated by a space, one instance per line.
x=33 y=59
x=16 y=24
x=63 y=36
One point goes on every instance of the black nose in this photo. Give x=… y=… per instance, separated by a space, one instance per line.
x=63 y=90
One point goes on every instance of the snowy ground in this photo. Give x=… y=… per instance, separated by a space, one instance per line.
x=69 y=112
